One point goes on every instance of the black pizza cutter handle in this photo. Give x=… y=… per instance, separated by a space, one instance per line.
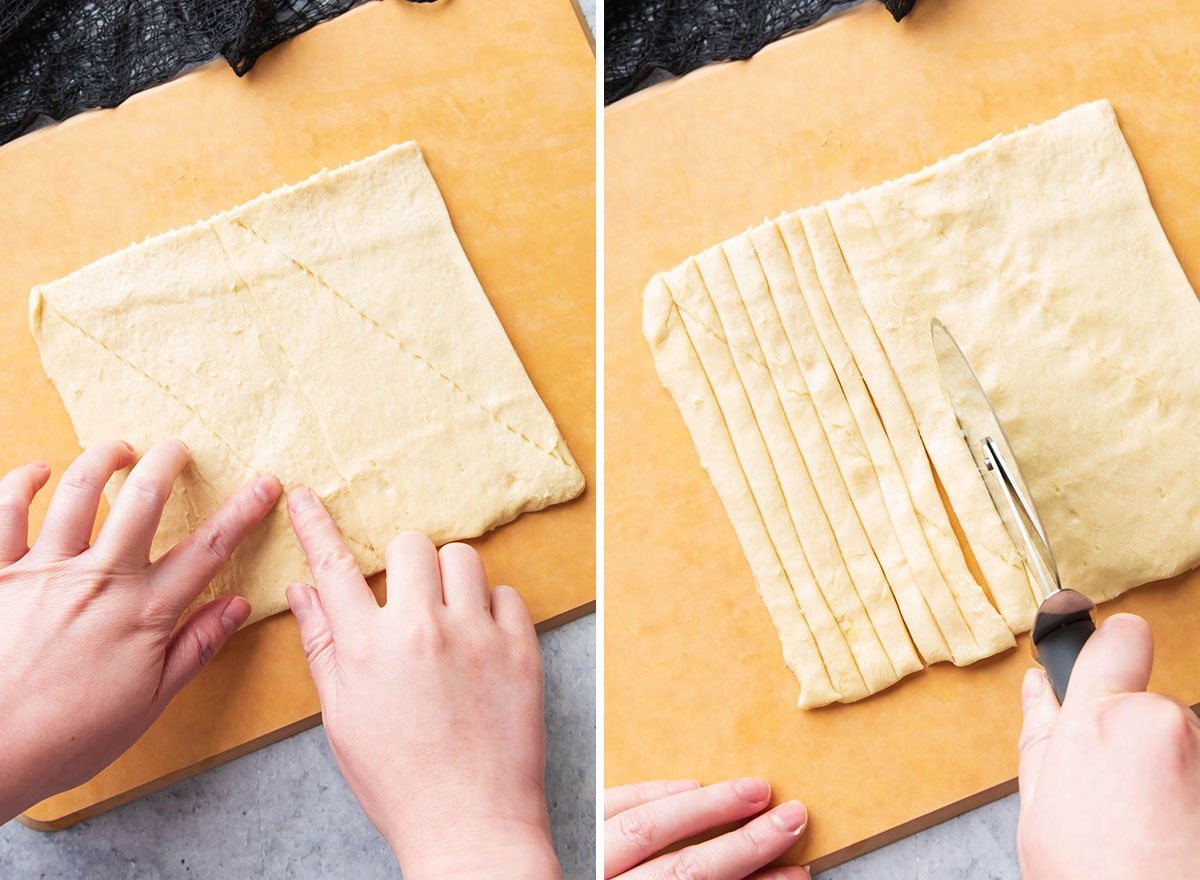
x=1062 y=626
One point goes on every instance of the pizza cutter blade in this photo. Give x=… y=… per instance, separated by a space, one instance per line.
x=1064 y=619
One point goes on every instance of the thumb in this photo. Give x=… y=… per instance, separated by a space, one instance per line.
x=196 y=642
x=1039 y=708
x=316 y=637
x=1117 y=659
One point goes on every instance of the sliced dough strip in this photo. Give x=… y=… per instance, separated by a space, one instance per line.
x=797 y=442
x=847 y=227
x=856 y=661
x=785 y=328
x=682 y=374
x=808 y=232
x=779 y=471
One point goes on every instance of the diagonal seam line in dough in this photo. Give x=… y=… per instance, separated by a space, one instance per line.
x=757 y=507
x=790 y=522
x=165 y=390
x=902 y=284
x=716 y=334
x=837 y=542
x=298 y=389
x=400 y=344
x=838 y=474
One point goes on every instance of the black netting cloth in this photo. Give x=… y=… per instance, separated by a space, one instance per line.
x=647 y=38
x=58 y=57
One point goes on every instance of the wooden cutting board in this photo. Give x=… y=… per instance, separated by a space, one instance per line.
x=501 y=98
x=695 y=685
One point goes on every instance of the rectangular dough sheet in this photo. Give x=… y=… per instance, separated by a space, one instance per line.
x=800 y=356
x=1041 y=252
x=330 y=333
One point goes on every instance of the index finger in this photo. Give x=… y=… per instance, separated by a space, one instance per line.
x=186 y=568
x=736 y=853
x=620 y=798
x=341 y=585
x=1116 y=660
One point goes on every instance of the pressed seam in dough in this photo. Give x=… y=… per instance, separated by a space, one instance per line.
x=404 y=347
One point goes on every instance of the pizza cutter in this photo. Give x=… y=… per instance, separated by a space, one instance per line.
x=1064 y=619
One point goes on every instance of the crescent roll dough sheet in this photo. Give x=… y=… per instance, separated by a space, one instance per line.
x=800 y=356
x=1041 y=252
x=330 y=333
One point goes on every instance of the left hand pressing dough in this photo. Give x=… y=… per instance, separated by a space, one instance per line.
x=330 y=333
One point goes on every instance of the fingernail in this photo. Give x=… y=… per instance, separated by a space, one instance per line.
x=298 y=599
x=752 y=789
x=1031 y=688
x=790 y=817
x=300 y=498
x=41 y=465
x=267 y=489
x=129 y=446
x=682 y=785
x=235 y=614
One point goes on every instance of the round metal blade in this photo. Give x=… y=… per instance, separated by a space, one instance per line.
x=994 y=458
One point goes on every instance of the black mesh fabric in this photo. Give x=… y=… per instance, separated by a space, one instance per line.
x=646 y=37
x=58 y=57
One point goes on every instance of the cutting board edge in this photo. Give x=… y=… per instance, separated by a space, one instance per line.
x=912 y=826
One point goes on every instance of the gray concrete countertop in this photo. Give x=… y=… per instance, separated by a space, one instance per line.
x=980 y=845
x=285 y=811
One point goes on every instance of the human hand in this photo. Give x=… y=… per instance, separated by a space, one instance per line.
x=432 y=704
x=1110 y=782
x=643 y=819
x=88 y=639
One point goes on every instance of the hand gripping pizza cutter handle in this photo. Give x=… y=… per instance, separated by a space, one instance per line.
x=1062 y=625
